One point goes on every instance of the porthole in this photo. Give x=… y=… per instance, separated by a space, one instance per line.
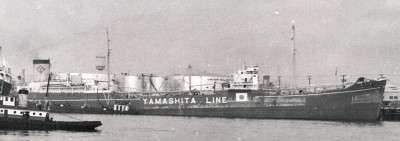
x=15 y=112
x=34 y=113
x=40 y=114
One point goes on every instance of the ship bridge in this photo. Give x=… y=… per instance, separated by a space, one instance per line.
x=245 y=79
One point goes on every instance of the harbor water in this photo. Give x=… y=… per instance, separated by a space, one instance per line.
x=160 y=128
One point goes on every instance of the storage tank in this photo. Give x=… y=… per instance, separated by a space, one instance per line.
x=146 y=86
x=159 y=83
x=120 y=82
x=133 y=84
x=176 y=83
x=266 y=81
x=76 y=79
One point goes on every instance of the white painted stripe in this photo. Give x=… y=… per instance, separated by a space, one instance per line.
x=86 y=100
x=325 y=93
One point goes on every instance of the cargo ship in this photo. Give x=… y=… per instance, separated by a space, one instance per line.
x=240 y=98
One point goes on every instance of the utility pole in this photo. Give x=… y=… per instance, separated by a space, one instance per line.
x=343 y=80
x=336 y=82
x=279 y=81
x=294 y=56
x=309 y=80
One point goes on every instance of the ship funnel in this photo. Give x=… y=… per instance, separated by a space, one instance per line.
x=266 y=81
x=41 y=70
x=23 y=98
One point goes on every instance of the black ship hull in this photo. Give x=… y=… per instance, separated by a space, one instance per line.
x=360 y=102
x=23 y=124
x=362 y=112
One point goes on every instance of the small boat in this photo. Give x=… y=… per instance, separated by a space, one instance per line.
x=19 y=117
x=15 y=114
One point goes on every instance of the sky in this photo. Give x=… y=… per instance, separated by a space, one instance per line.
x=163 y=37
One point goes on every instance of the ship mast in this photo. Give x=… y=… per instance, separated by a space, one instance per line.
x=190 y=78
x=108 y=61
x=294 y=57
x=46 y=101
x=4 y=75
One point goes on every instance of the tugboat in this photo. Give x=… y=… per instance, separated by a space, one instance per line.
x=13 y=116
x=19 y=117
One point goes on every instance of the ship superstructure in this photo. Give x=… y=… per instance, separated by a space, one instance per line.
x=246 y=79
x=5 y=77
